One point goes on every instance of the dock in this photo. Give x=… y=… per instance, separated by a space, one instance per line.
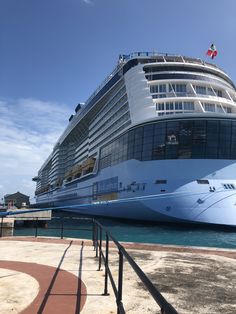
x=40 y=216
x=6 y=227
x=7 y=224
x=48 y=275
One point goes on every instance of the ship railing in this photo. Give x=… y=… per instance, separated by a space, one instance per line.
x=117 y=68
x=100 y=235
x=190 y=95
x=165 y=57
x=122 y=60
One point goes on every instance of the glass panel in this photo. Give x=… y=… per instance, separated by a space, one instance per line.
x=160 y=106
x=199 y=139
x=201 y=90
x=146 y=155
x=138 y=155
x=162 y=88
x=185 y=139
x=130 y=144
x=138 y=136
x=188 y=105
x=233 y=140
x=212 y=139
x=159 y=141
x=209 y=107
x=172 y=133
x=224 y=139
x=148 y=130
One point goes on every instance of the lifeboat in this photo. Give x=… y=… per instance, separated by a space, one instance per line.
x=88 y=165
x=77 y=171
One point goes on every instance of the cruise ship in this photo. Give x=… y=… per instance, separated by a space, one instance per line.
x=156 y=141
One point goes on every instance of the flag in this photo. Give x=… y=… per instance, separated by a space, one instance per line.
x=212 y=52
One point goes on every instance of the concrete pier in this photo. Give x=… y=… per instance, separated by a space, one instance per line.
x=43 y=215
x=6 y=227
x=60 y=276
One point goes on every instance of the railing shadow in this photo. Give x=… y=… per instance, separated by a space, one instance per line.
x=48 y=292
x=79 y=286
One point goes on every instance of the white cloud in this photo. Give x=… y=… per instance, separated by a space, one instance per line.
x=29 y=129
x=88 y=1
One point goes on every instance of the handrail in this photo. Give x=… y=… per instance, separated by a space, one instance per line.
x=97 y=232
x=166 y=308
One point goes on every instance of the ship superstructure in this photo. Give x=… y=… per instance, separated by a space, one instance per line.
x=156 y=141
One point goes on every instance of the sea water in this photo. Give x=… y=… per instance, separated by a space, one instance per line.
x=143 y=232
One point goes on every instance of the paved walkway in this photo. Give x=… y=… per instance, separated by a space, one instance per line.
x=60 y=291
x=61 y=269
x=47 y=275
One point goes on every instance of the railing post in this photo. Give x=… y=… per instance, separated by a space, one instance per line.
x=62 y=227
x=36 y=228
x=96 y=238
x=1 y=226
x=106 y=266
x=93 y=235
x=100 y=249
x=120 y=281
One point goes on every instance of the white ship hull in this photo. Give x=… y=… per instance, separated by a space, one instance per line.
x=137 y=193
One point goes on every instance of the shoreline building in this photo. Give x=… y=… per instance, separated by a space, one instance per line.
x=16 y=200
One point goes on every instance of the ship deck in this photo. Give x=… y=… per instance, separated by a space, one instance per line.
x=49 y=275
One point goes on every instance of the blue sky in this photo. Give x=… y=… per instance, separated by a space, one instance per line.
x=54 y=53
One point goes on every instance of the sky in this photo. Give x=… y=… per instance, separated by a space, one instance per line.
x=55 y=53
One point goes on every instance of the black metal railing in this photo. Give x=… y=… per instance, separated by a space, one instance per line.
x=99 y=230
x=100 y=234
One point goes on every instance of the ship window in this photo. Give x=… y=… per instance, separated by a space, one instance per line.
x=156 y=96
x=218 y=92
x=227 y=109
x=178 y=106
x=161 y=88
x=183 y=76
x=209 y=107
x=185 y=139
x=224 y=140
x=202 y=181
x=229 y=186
x=219 y=109
x=179 y=89
x=172 y=142
x=210 y=91
x=160 y=106
x=200 y=90
x=176 y=139
x=161 y=181
x=154 y=88
x=169 y=106
x=188 y=105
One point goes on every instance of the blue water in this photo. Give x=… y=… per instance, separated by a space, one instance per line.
x=133 y=231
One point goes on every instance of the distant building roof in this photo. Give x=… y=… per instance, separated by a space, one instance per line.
x=17 y=194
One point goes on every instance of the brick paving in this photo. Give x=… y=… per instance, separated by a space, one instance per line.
x=60 y=292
